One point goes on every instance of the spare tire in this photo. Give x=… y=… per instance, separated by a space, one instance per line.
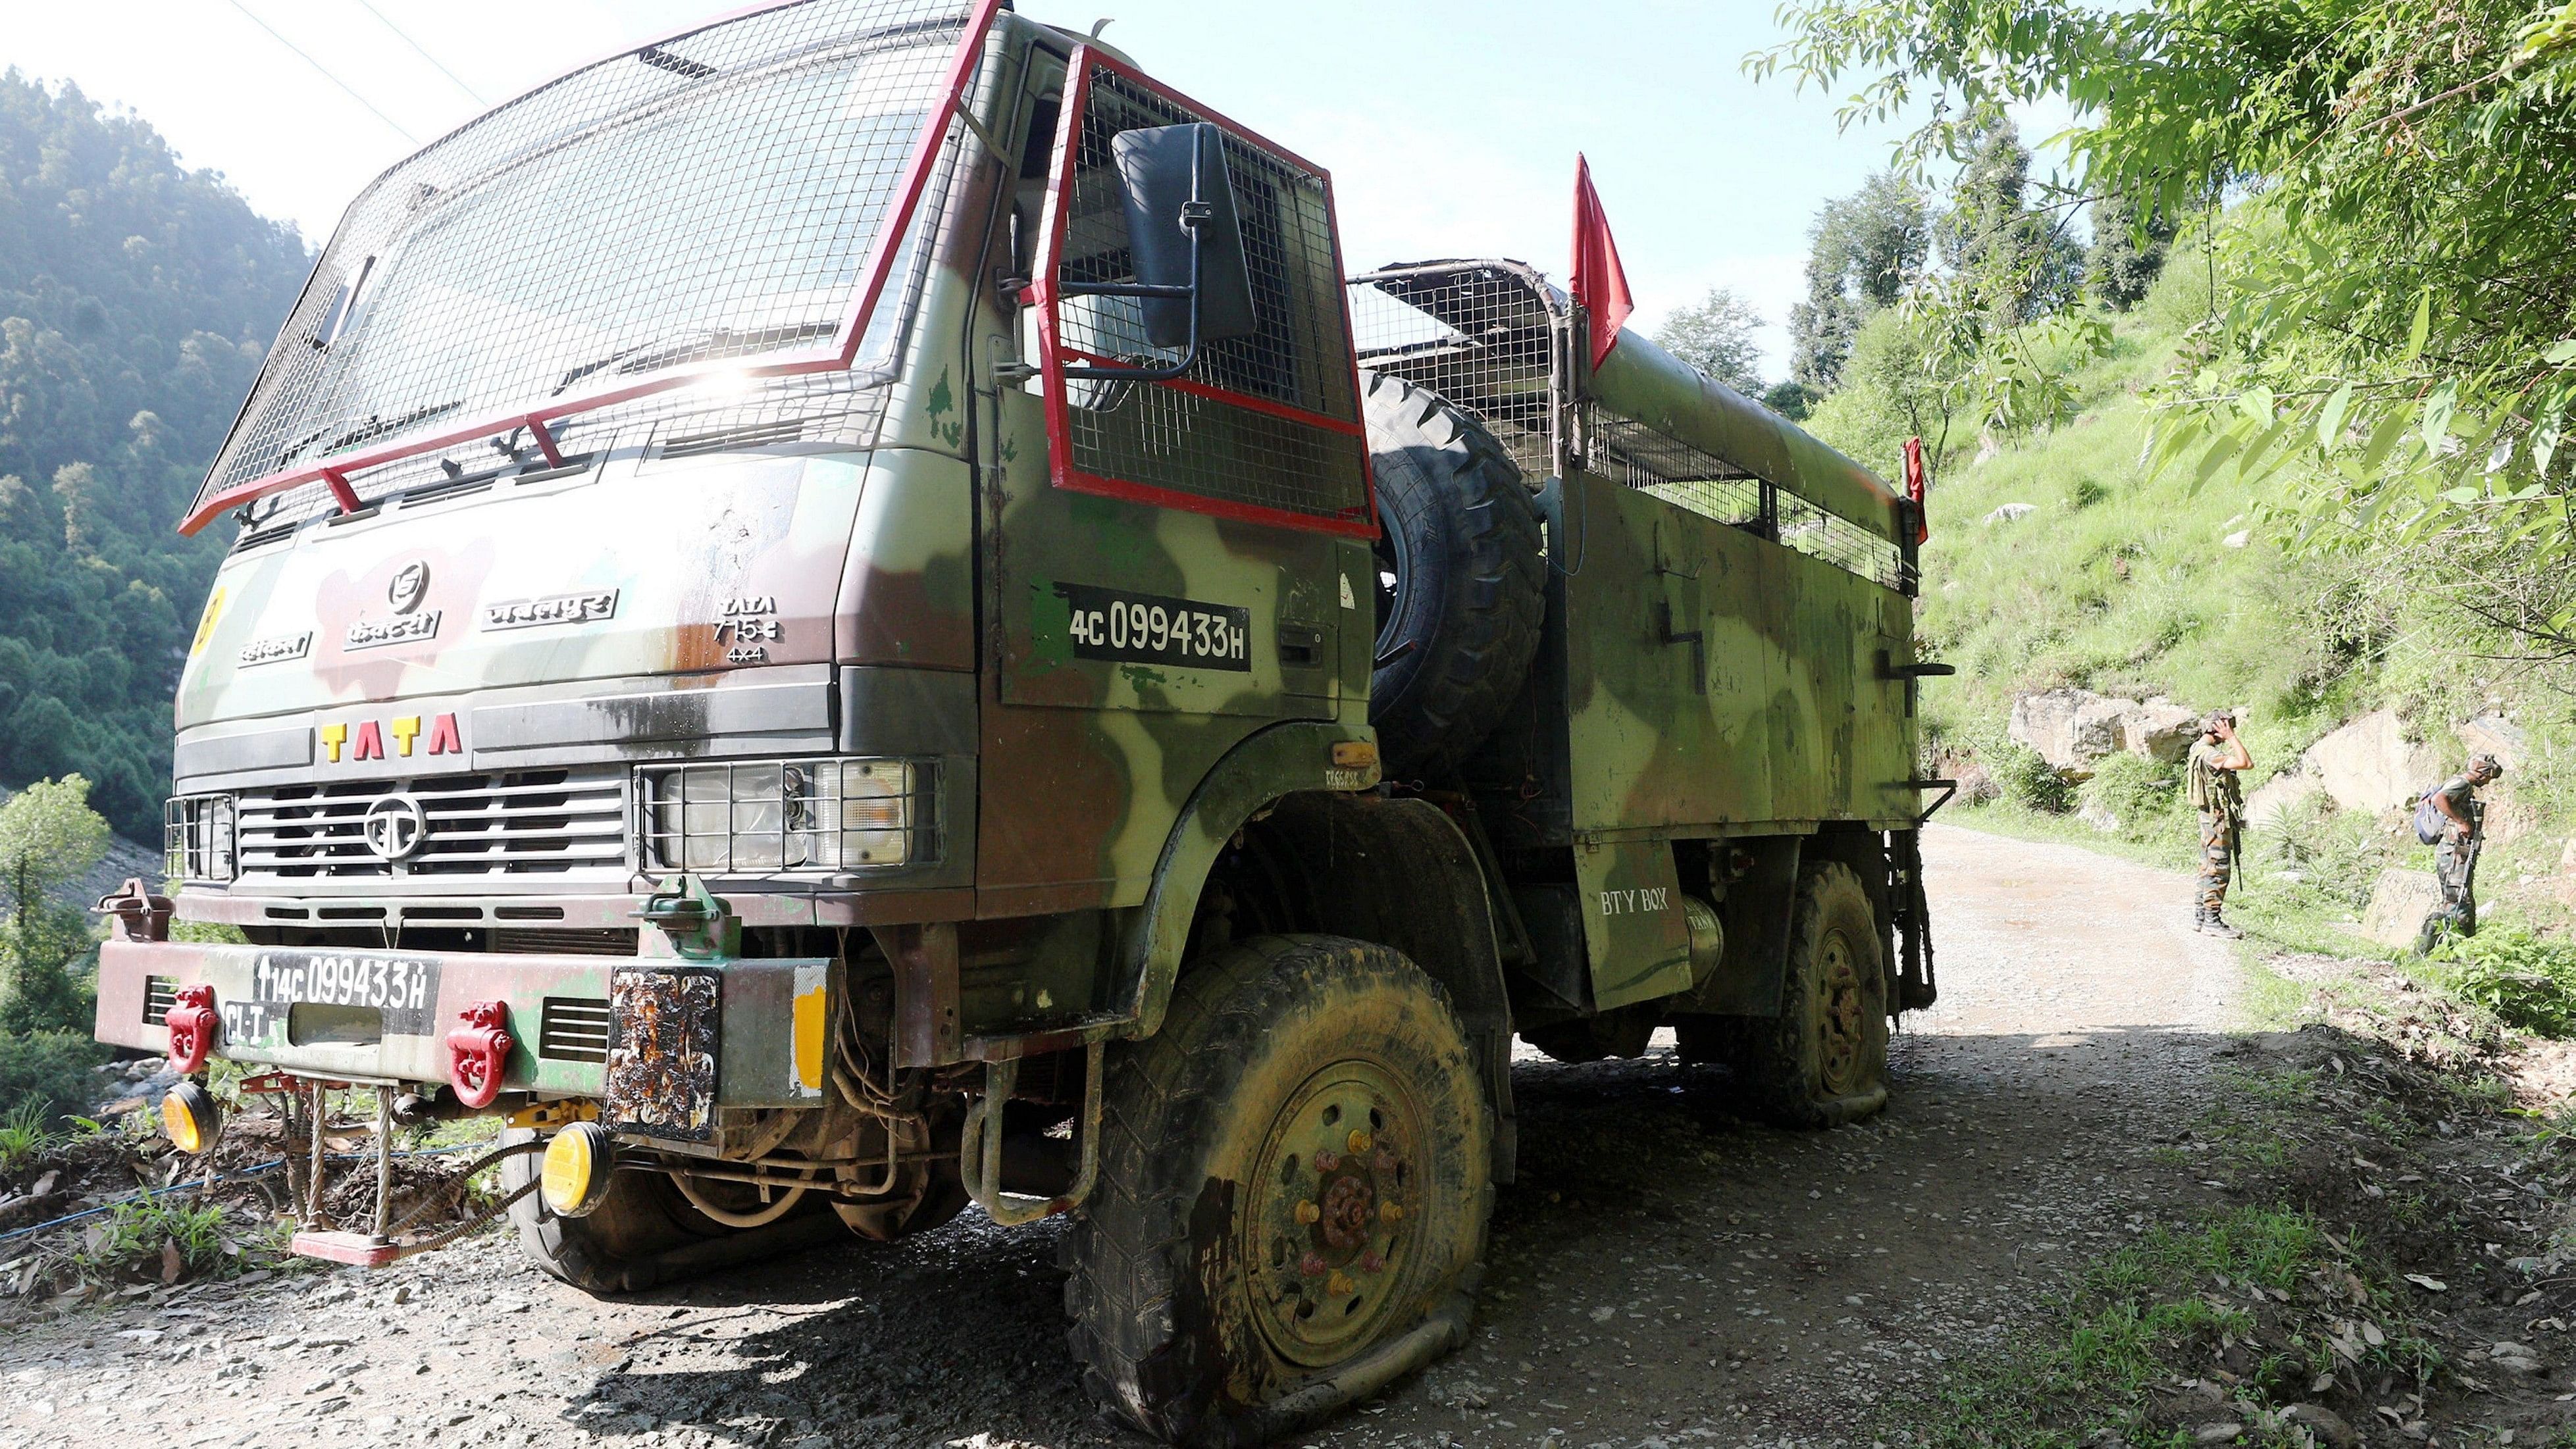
x=1461 y=578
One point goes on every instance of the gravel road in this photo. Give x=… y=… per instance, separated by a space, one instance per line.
x=1664 y=1273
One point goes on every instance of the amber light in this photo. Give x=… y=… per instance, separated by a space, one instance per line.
x=190 y=1118
x=578 y=1162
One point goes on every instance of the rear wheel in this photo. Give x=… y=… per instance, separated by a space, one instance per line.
x=1293 y=1193
x=1822 y=1061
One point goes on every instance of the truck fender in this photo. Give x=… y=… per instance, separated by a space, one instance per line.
x=1254 y=775
x=1399 y=873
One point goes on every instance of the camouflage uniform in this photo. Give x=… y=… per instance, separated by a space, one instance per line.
x=2214 y=792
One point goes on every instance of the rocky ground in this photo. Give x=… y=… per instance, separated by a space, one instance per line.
x=1664 y=1272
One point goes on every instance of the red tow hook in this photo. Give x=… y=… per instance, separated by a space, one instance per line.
x=192 y=1021
x=479 y=1051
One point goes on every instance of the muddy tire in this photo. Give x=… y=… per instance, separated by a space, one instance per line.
x=1237 y=1274
x=1461 y=578
x=644 y=1232
x=1822 y=1061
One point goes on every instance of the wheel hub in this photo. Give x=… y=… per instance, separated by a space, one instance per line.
x=1329 y=1221
x=1843 y=1031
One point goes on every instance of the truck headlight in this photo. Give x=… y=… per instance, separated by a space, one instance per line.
x=198 y=838
x=787 y=815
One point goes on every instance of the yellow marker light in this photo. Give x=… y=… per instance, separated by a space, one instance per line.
x=578 y=1162
x=1353 y=753
x=190 y=1118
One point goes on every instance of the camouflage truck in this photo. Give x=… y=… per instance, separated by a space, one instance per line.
x=851 y=612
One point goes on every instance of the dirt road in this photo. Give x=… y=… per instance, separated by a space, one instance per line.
x=1663 y=1273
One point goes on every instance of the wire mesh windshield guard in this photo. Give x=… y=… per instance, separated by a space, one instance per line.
x=1263 y=428
x=722 y=205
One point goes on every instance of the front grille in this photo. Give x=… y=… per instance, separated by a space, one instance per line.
x=573 y=1029
x=566 y=824
x=160 y=993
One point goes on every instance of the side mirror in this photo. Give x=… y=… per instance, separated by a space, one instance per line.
x=1184 y=243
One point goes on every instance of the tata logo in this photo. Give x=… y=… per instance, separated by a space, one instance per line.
x=410 y=586
x=394 y=827
x=366 y=739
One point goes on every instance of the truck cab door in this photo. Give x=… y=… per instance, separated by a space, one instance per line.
x=1174 y=562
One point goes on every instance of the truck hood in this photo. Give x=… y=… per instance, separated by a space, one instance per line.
x=632 y=567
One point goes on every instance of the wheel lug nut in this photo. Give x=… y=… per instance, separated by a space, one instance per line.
x=1327 y=1161
x=1385 y=1164
x=1370 y=1262
x=1390 y=1213
x=1339 y=1285
x=1308 y=1214
x=1312 y=1265
x=1359 y=1140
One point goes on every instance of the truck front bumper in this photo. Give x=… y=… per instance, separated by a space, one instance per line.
x=683 y=1035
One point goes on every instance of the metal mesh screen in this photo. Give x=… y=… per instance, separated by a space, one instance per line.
x=1844 y=544
x=1482 y=335
x=1208 y=434
x=712 y=198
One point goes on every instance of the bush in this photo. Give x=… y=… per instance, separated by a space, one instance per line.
x=2133 y=790
x=2027 y=778
x=2528 y=982
x=2337 y=853
x=52 y=1071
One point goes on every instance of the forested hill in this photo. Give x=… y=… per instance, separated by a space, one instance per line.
x=136 y=299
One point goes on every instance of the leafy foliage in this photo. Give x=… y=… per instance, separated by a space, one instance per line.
x=2143 y=795
x=2128 y=252
x=1715 y=335
x=2017 y=263
x=2395 y=326
x=2528 y=982
x=48 y=833
x=47 y=1074
x=136 y=299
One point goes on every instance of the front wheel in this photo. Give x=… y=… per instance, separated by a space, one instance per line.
x=1293 y=1191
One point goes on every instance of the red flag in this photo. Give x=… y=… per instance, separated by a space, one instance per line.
x=1915 y=489
x=1600 y=284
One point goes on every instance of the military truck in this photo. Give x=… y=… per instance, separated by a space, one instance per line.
x=852 y=612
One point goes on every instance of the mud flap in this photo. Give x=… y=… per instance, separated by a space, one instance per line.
x=1637 y=937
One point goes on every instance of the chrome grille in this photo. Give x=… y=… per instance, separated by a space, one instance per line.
x=557 y=823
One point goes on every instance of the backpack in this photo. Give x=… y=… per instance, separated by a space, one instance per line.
x=2429 y=819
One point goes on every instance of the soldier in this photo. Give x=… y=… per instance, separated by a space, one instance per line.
x=2211 y=785
x=2462 y=829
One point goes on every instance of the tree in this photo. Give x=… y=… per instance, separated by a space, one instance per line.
x=1864 y=250
x=1716 y=335
x=2395 y=284
x=136 y=299
x=2128 y=252
x=48 y=835
x=2015 y=263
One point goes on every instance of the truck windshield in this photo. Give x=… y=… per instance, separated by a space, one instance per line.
x=711 y=198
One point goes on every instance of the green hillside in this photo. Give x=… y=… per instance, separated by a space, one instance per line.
x=2138 y=583
x=136 y=300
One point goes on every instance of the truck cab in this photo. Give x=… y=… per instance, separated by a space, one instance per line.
x=830 y=618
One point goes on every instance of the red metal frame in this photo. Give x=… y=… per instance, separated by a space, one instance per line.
x=1044 y=294
x=838 y=356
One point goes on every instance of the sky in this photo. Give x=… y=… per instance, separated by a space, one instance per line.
x=1451 y=127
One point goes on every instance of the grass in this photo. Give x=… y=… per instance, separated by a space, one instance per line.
x=24 y=1136
x=2156 y=1312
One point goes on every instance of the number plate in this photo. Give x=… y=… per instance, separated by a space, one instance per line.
x=404 y=989
x=1150 y=629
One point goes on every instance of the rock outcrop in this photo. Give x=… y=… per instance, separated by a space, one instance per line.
x=2073 y=729
x=2398 y=905
x=2370 y=765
